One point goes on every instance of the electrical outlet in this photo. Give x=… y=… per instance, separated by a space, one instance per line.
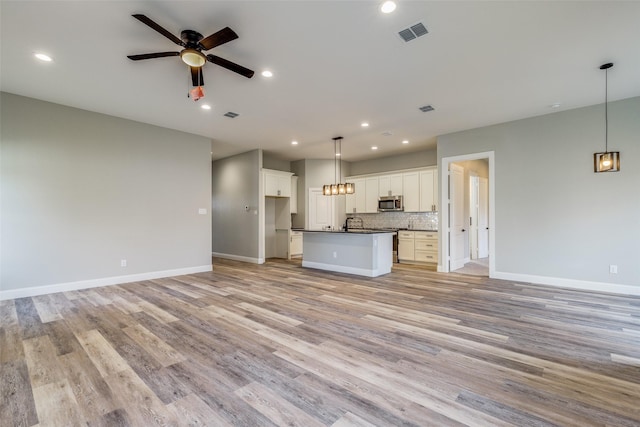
x=123 y=263
x=202 y=211
x=613 y=269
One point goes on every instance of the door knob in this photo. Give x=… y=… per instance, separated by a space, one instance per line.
x=463 y=230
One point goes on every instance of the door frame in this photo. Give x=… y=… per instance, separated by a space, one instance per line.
x=443 y=232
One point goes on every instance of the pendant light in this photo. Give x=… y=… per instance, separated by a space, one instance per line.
x=609 y=161
x=338 y=188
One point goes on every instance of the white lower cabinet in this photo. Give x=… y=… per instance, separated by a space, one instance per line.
x=406 y=246
x=295 y=244
x=418 y=246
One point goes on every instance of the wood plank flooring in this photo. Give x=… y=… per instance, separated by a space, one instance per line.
x=279 y=345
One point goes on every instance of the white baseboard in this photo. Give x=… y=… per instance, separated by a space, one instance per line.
x=343 y=269
x=94 y=283
x=238 y=258
x=584 y=285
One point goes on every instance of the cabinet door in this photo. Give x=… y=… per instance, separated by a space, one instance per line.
x=361 y=195
x=427 y=202
x=384 y=186
x=406 y=250
x=396 y=185
x=296 y=244
x=371 y=202
x=436 y=190
x=270 y=184
x=411 y=188
x=284 y=185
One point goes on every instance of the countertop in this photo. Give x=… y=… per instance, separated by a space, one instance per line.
x=354 y=231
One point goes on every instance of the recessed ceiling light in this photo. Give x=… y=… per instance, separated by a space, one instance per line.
x=294 y=142
x=388 y=7
x=556 y=105
x=267 y=73
x=43 y=57
x=405 y=141
x=364 y=124
x=205 y=107
x=374 y=148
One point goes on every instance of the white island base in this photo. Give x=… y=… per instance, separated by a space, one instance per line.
x=365 y=254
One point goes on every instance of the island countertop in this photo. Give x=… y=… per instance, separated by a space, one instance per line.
x=354 y=231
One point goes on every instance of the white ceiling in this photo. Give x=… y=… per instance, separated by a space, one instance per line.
x=335 y=64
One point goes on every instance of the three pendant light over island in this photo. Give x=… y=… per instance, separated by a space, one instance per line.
x=338 y=188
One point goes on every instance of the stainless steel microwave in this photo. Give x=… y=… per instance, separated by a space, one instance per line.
x=390 y=203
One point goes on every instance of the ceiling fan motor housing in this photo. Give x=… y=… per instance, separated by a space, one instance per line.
x=191 y=39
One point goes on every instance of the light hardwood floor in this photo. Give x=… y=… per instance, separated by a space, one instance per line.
x=278 y=345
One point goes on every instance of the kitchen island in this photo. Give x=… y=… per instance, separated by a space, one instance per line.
x=361 y=252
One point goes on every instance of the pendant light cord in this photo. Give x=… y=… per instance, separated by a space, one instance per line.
x=606 y=110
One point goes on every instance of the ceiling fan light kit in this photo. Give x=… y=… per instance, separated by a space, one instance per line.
x=608 y=161
x=193 y=44
x=193 y=58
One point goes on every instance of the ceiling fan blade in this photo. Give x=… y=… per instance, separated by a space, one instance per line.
x=197 y=78
x=232 y=66
x=158 y=28
x=216 y=39
x=152 y=55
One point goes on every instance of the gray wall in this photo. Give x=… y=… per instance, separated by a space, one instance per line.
x=299 y=168
x=417 y=159
x=554 y=216
x=80 y=191
x=236 y=184
x=271 y=162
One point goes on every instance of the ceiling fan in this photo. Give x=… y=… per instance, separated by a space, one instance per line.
x=194 y=43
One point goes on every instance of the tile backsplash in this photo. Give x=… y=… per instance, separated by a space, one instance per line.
x=412 y=220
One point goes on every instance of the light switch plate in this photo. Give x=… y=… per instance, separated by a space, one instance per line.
x=202 y=211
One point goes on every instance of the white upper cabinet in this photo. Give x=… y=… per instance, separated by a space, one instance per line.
x=390 y=185
x=277 y=183
x=356 y=202
x=428 y=190
x=418 y=188
x=411 y=188
x=371 y=195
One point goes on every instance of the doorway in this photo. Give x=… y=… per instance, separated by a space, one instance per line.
x=467 y=198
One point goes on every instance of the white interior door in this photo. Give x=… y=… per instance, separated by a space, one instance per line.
x=457 y=228
x=483 y=218
x=320 y=210
x=473 y=216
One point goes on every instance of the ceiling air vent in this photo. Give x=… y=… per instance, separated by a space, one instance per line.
x=231 y=114
x=426 y=108
x=413 y=32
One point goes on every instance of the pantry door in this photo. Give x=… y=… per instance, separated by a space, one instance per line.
x=320 y=210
